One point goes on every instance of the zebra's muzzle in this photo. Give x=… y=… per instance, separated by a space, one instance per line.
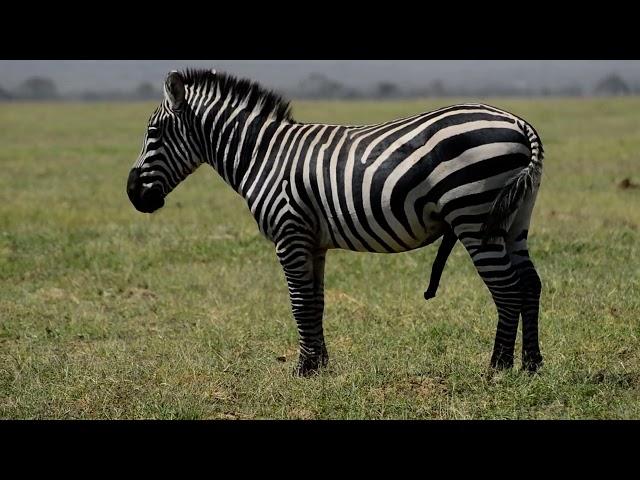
x=145 y=199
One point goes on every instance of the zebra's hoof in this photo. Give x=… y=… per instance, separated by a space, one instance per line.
x=532 y=362
x=311 y=365
x=428 y=294
x=502 y=361
x=307 y=367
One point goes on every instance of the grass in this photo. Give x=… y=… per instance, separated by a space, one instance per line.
x=108 y=313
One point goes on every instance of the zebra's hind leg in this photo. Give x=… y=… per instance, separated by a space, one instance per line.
x=304 y=270
x=530 y=285
x=493 y=263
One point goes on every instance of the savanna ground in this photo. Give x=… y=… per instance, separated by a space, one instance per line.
x=109 y=313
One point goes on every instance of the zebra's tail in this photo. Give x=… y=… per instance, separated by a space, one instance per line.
x=512 y=195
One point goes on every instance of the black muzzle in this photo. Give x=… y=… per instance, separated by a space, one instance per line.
x=145 y=199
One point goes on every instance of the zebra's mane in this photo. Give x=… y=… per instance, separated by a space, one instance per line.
x=241 y=89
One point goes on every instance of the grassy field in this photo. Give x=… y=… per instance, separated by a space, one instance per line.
x=109 y=313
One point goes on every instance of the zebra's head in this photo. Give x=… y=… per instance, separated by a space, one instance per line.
x=170 y=150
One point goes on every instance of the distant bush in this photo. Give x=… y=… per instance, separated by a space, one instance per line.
x=146 y=91
x=387 y=90
x=318 y=85
x=612 y=84
x=4 y=95
x=38 y=88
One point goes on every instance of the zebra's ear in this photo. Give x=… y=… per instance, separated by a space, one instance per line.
x=174 y=90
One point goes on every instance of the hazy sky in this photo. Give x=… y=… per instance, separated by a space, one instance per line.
x=78 y=75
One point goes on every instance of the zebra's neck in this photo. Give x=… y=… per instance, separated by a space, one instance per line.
x=232 y=132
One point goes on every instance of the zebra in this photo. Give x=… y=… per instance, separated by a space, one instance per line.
x=468 y=172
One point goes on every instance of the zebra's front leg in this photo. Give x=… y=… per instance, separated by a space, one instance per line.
x=304 y=270
x=319 y=257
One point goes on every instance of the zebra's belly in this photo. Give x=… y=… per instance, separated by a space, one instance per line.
x=374 y=235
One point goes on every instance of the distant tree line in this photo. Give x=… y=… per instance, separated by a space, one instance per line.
x=34 y=88
x=319 y=86
x=43 y=88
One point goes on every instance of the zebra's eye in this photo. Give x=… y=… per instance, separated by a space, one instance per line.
x=154 y=132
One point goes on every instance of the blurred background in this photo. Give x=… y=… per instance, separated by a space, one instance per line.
x=326 y=79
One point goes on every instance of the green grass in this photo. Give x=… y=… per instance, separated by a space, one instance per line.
x=109 y=313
